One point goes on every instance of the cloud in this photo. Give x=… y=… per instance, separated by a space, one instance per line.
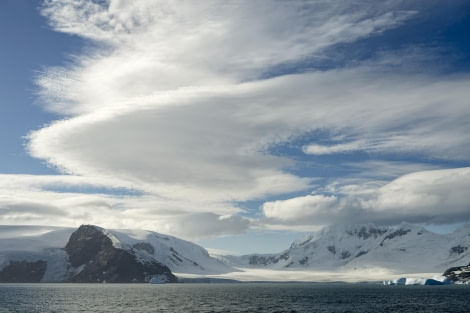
x=207 y=224
x=387 y=170
x=310 y=206
x=213 y=144
x=316 y=149
x=171 y=100
x=62 y=200
x=434 y=197
x=439 y=196
x=145 y=47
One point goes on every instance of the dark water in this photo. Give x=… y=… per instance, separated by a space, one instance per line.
x=27 y=298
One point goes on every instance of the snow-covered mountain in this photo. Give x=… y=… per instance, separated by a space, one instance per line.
x=179 y=255
x=28 y=244
x=53 y=254
x=405 y=249
x=91 y=253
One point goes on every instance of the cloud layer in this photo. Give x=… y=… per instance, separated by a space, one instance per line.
x=183 y=102
x=437 y=197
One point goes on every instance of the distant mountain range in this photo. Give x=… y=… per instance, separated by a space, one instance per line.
x=407 y=248
x=94 y=254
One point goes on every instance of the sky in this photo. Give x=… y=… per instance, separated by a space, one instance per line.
x=239 y=125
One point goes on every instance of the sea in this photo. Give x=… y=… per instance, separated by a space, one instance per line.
x=239 y=297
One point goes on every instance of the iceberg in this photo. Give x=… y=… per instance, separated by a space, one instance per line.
x=436 y=280
x=156 y=281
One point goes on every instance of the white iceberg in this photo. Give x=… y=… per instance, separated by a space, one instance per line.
x=436 y=280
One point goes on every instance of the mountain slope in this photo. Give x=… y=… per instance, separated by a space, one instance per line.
x=23 y=246
x=92 y=254
x=406 y=249
x=93 y=258
x=179 y=255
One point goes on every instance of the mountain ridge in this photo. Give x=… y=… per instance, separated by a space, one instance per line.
x=94 y=254
x=348 y=247
x=97 y=254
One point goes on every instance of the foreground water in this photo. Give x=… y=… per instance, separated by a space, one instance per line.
x=249 y=297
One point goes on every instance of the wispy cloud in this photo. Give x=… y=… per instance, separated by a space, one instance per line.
x=73 y=200
x=169 y=100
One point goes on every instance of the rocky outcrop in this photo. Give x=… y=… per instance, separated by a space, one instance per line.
x=265 y=260
x=398 y=233
x=23 y=272
x=94 y=259
x=460 y=274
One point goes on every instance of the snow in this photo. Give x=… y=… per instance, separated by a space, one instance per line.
x=33 y=243
x=337 y=253
x=33 y=238
x=179 y=255
x=403 y=250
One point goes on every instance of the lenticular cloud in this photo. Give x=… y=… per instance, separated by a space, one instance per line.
x=172 y=99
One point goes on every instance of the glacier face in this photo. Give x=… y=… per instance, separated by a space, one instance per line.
x=407 y=248
x=436 y=280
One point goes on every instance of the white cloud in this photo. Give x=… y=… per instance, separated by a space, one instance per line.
x=311 y=206
x=439 y=196
x=168 y=101
x=212 y=144
x=434 y=197
x=155 y=46
x=316 y=149
x=62 y=200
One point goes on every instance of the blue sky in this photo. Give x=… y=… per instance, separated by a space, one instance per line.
x=240 y=125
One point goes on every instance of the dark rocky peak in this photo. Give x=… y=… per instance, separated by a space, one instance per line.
x=87 y=241
x=95 y=259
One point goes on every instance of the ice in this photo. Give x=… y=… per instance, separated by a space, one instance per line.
x=437 y=280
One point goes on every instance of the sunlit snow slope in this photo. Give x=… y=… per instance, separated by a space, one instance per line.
x=406 y=249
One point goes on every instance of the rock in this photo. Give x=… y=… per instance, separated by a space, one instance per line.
x=459 y=274
x=23 y=272
x=94 y=259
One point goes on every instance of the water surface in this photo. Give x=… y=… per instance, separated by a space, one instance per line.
x=245 y=297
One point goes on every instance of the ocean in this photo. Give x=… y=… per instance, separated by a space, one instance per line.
x=243 y=297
